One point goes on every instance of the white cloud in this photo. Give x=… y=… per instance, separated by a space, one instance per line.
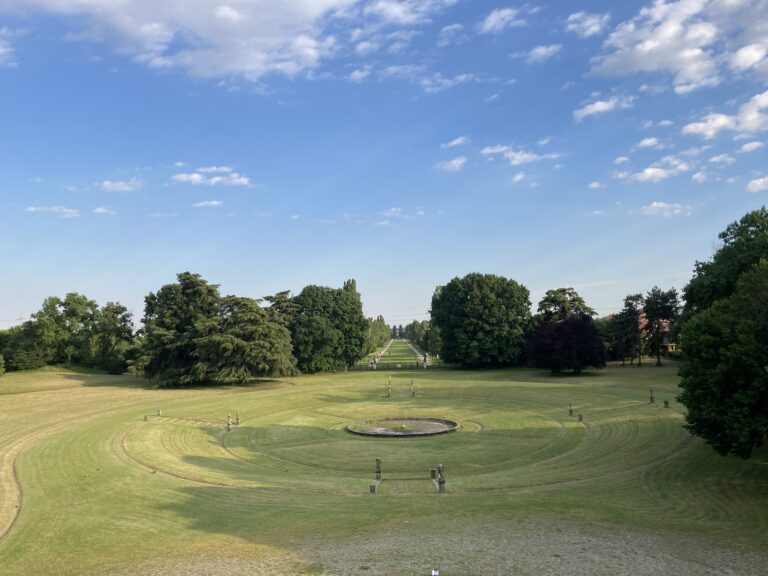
x=519 y=177
x=758 y=185
x=518 y=157
x=750 y=118
x=405 y=12
x=295 y=217
x=206 y=38
x=431 y=82
x=494 y=149
x=665 y=37
x=62 y=211
x=454 y=165
x=208 y=204
x=215 y=169
x=700 y=177
x=724 y=159
x=542 y=53
x=451 y=34
x=500 y=19
x=598 y=212
x=651 y=174
x=200 y=179
x=162 y=215
x=665 y=123
x=751 y=146
x=603 y=106
x=595 y=185
x=711 y=125
x=359 y=75
x=544 y=141
x=621 y=160
x=691 y=41
x=103 y=210
x=662 y=209
x=665 y=168
x=748 y=56
x=586 y=25
x=122 y=185
x=460 y=141
x=649 y=143
x=7 y=51
x=394 y=213
x=366 y=47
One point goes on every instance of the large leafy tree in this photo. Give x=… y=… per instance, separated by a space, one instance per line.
x=744 y=244
x=566 y=337
x=194 y=336
x=112 y=336
x=725 y=373
x=661 y=309
x=563 y=303
x=482 y=320
x=569 y=344
x=328 y=327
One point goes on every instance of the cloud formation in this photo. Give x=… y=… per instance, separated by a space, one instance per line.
x=751 y=118
x=517 y=157
x=455 y=165
x=500 y=19
x=758 y=185
x=222 y=176
x=690 y=40
x=585 y=24
x=122 y=185
x=599 y=107
x=667 y=210
x=62 y=211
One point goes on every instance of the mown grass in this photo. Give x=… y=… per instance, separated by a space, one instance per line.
x=102 y=490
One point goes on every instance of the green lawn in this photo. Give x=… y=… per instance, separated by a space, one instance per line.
x=88 y=487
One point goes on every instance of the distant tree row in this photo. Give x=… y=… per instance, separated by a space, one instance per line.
x=72 y=331
x=193 y=335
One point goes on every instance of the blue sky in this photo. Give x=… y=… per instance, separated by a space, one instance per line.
x=269 y=145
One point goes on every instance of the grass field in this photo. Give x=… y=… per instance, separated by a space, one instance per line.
x=88 y=487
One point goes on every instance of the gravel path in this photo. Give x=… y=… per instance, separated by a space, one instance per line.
x=529 y=547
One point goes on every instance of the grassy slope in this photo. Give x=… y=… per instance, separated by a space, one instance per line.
x=103 y=491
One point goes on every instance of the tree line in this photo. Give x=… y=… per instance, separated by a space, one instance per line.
x=193 y=335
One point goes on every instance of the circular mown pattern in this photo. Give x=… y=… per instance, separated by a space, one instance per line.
x=406 y=426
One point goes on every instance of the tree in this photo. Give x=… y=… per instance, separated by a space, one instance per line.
x=563 y=303
x=661 y=309
x=631 y=328
x=724 y=378
x=378 y=334
x=246 y=344
x=194 y=336
x=329 y=329
x=745 y=243
x=113 y=335
x=482 y=320
x=176 y=321
x=2 y=365
x=570 y=344
x=566 y=337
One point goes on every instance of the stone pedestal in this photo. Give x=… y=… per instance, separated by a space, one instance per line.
x=666 y=403
x=581 y=418
x=433 y=473
x=373 y=488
